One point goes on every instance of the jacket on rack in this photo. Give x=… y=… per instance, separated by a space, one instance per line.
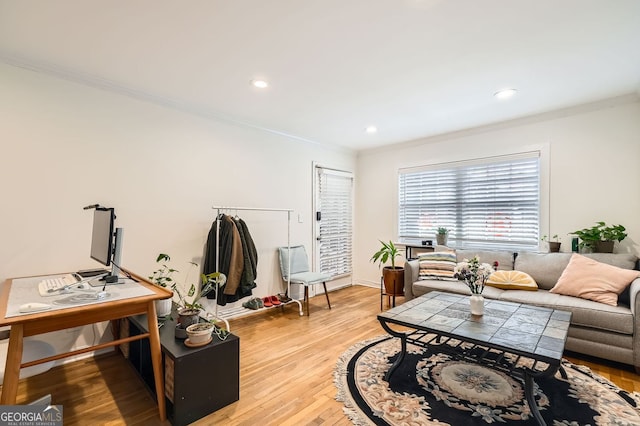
x=238 y=258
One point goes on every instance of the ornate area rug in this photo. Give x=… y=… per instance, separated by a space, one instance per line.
x=433 y=389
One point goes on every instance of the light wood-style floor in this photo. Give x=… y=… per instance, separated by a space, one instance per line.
x=286 y=375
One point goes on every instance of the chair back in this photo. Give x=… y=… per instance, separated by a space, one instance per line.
x=299 y=260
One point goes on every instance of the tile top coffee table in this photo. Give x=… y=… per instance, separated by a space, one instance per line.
x=522 y=340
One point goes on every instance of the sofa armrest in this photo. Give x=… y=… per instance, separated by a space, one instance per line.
x=411 y=271
x=634 y=293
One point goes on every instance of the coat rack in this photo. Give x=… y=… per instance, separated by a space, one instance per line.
x=219 y=210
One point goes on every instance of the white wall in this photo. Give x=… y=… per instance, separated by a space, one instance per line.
x=65 y=145
x=592 y=158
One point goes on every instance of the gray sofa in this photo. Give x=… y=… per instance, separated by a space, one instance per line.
x=597 y=329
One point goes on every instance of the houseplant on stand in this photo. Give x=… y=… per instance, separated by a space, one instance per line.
x=475 y=275
x=442 y=235
x=188 y=301
x=393 y=276
x=189 y=307
x=554 y=244
x=600 y=238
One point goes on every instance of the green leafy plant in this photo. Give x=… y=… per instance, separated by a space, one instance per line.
x=553 y=239
x=187 y=298
x=387 y=252
x=163 y=276
x=589 y=237
x=442 y=230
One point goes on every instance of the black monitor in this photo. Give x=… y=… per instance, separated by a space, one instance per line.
x=105 y=241
x=102 y=235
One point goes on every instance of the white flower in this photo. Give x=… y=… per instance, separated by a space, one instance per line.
x=474 y=273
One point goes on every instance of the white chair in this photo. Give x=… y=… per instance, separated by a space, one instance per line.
x=300 y=273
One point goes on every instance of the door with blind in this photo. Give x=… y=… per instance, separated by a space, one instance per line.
x=333 y=221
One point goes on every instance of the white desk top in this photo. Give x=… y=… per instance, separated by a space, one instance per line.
x=25 y=290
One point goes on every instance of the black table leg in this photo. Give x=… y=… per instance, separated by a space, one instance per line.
x=528 y=392
x=403 y=349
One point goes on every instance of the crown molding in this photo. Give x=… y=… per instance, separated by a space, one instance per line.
x=100 y=83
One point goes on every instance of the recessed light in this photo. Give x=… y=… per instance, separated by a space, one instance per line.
x=504 y=93
x=371 y=130
x=260 y=84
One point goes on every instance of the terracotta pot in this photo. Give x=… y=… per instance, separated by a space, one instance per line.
x=393 y=280
x=604 y=247
x=554 y=246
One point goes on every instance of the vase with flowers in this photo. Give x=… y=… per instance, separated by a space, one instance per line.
x=475 y=276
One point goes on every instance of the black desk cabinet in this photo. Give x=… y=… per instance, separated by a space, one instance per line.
x=197 y=381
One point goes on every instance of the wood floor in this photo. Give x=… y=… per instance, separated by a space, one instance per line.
x=286 y=376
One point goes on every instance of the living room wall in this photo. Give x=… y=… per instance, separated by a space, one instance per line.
x=589 y=173
x=67 y=145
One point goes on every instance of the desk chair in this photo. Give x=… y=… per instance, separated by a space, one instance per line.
x=300 y=273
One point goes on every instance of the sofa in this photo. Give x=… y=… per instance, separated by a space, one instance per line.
x=597 y=329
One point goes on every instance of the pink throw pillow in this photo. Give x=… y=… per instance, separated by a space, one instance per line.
x=589 y=279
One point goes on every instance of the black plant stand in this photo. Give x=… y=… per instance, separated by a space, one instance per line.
x=198 y=381
x=384 y=293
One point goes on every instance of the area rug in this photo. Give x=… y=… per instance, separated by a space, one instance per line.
x=430 y=388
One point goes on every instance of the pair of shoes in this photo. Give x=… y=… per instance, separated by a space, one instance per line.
x=270 y=301
x=283 y=298
x=253 y=303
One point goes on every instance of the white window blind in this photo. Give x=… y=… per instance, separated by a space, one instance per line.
x=489 y=203
x=335 y=190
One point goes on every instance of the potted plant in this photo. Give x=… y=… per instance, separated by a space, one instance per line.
x=554 y=244
x=163 y=277
x=393 y=276
x=199 y=333
x=442 y=234
x=189 y=306
x=188 y=303
x=600 y=238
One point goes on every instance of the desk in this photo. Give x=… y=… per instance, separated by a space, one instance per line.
x=43 y=322
x=410 y=248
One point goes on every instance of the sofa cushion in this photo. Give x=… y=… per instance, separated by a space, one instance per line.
x=585 y=313
x=544 y=268
x=512 y=280
x=437 y=266
x=589 y=279
x=458 y=287
x=504 y=258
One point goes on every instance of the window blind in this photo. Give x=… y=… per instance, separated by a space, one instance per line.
x=490 y=203
x=336 y=229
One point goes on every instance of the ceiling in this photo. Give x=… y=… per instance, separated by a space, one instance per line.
x=412 y=68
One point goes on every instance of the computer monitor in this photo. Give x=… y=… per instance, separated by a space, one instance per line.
x=106 y=241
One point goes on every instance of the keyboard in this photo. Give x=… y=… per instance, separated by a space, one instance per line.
x=52 y=286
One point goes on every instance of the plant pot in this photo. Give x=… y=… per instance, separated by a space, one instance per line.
x=604 y=247
x=199 y=333
x=163 y=307
x=186 y=317
x=441 y=239
x=554 y=246
x=393 y=278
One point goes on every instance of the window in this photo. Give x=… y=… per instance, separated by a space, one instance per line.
x=334 y=223
x=488 y=203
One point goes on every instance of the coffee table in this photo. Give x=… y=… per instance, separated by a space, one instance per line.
x=524 y=341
